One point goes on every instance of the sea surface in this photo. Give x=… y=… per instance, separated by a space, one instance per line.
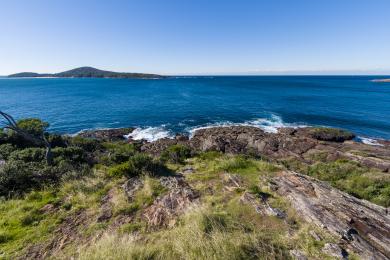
x=161 y=108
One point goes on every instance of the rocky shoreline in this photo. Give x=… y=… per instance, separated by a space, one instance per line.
x=289 y=143
x=362 y=227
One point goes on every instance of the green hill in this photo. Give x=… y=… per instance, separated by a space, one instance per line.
x=87 y=72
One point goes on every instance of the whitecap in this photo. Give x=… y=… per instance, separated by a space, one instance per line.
x=269 y=125
x=369 y=141
x=149 y=134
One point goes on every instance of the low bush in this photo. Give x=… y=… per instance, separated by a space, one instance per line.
x=176 y=154
x=70 y=154
x=32 y=154
x=6 y=150
x=88 y=145
x=137 y=165
x=117 y=153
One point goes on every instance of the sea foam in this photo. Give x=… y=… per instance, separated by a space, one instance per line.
x=269 y=125
x=369 y=141
x=149 y=134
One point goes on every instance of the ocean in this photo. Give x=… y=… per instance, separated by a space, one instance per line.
x=161 y=108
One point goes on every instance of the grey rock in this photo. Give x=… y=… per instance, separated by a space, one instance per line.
x=363 y=226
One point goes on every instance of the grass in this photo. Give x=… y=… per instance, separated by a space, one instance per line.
x=368 y=184
x=200 y=235
x=219 y=227
x=22 y=222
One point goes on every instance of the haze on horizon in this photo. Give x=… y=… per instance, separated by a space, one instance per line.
x=176 y=37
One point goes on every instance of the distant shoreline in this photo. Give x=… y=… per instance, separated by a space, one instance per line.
x=381 y=80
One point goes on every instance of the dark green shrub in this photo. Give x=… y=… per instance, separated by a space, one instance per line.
x=118 y=153
x=17 y=177
x=138 y=164
x=89 y=145
x=28 y=155
x=6 y=150
x=57 y=140
x=176 y=154
x=3 y=137
x=70 y=154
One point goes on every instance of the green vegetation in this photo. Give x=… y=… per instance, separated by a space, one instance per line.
x=81 y=202
x=176 y=154
x=137 y=165
x=359 y=181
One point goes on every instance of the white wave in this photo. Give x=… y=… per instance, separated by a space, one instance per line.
x=269 y=125
x=369 y=141
x=149 y=134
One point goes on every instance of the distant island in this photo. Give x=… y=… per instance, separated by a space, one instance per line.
x=87 y=72
x=381 y=80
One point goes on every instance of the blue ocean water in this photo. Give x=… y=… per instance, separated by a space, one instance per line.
x=181 y=104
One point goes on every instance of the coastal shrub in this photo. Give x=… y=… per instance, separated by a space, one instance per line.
x=57 y=140
x=358 y=181
x=32 y=154
x=118 y=153
x=17 y=177
x=72 y=154
x=331 y=134
x=176 y=154
x=33 y=126
x=87 y=144
x=137 y=165
x=6 y=150
x=119 y=170
x=3 y=136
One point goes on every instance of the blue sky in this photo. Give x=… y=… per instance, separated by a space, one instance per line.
x=197 y=37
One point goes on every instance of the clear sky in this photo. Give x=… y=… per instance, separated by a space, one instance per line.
x=196 y=37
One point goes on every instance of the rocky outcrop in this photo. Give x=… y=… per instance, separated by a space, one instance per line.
x=107 y=134
x=165 y=209
x=300 y=144
x=157 y=147
x=362 y=227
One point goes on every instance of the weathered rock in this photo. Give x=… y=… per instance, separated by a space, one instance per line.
x=335 y=251
x=299 y=144
x=107 y=134
x=165 y=209
x=232 y=182
x=131 y=186
x=261 y=206
x=157 y=147
x=298 y=255
x=106 y=207
x=188 y=170
x=362 y=226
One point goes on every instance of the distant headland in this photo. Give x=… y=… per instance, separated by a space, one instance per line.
x=381 y=80
x=87 y=72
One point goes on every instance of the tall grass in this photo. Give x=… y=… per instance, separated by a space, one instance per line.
x=201 y=235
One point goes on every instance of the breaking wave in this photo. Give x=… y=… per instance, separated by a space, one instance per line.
x=150 y=134
x=270 y=125
x=369 y=141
